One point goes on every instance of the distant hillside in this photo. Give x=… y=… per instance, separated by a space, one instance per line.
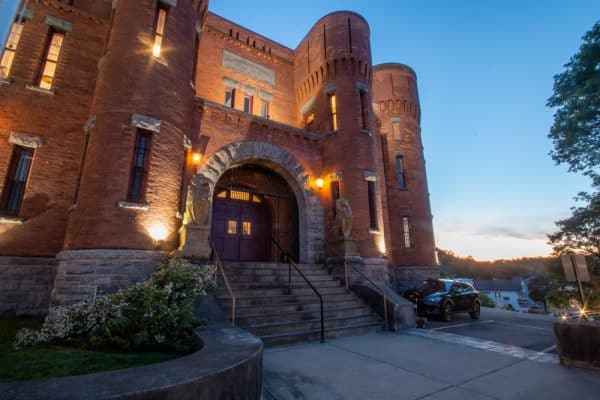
x=456 y=266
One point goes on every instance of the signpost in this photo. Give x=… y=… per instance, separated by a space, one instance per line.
x=576 y=270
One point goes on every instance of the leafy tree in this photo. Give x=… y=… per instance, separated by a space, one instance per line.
x=576 y=130
x=486 y=301
x=581 y=231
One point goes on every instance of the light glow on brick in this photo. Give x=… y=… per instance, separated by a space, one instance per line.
x=158 y=232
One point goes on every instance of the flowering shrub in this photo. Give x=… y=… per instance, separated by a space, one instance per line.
x=155 y=313
x=561 y=300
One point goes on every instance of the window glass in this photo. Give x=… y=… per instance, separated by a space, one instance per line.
x=264 y=109
x=400 y=172
x=229 y=96
x=161 y=18
x=50 y=60
x=333 y=111
x=246 y=228
x=231 y=227
x=248 y=104
x=139 y=167
x=396 y=130
x=372 y=205
x=10 y=49
x=406 y=231
x=17 y=180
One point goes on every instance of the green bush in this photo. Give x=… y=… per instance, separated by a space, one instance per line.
x=561 y=300
x=486 y=301
x=157 y=313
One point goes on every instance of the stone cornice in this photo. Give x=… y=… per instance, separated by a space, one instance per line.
x=72 y=10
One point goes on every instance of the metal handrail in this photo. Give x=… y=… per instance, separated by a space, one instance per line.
x=291 y=263
x=375 y=285
x=219 y=266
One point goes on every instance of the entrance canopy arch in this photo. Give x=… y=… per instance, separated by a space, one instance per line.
x=310 y=211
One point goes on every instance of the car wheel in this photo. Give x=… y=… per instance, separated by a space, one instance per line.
x=447 y=312
x=476 y=310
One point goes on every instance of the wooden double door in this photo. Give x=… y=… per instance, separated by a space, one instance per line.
x=240 y=227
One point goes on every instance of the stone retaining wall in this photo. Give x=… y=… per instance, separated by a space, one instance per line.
x=404 y=278
x=25 y=285
x=84 y=274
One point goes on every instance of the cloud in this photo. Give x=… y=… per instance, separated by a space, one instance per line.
x=501 y=231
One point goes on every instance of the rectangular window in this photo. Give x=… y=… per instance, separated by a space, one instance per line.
x=50 y=60
x=246 y=228
x=364 y=109
x=396 y=130
x=406 y=231
x=139 y=168
x=232 y=227
x=159 y=29
x=264 y=109
x=248 y=104
x=333 y=111
x=10 y=49
x=400 y=172
x=17 y=180
x=335 y=194
x=372 y=205
x=308 y=120
x=230 y=97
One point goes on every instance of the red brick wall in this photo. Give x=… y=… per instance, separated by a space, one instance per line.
x=58 y=118
x=396 y=96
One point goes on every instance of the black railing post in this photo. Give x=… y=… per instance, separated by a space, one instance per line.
x=289 y=275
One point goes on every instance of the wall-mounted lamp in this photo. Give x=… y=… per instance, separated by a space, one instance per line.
x=319 y=183
x=158 y=232
x=196 y=158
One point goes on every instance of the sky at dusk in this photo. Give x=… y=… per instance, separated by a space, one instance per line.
x=485 y=71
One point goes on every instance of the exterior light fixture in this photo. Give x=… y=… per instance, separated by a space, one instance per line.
x=156 y=50
x=196 y=157
x=158 y=232
x=319 y=183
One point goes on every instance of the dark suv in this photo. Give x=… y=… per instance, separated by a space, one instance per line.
x=444 y=297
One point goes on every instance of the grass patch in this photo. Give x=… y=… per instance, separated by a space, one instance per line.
x=46 y=361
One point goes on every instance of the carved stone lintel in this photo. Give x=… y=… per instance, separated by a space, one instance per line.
x=25 y=140
x=330 y=88
x=247 y=67
x=370 y=176
x=230 y=83
x=89 y=124
x=133 y=206
x=145 y=122
x=362 y=86
x=308 y=106
x=187 y=143
x=27 y=14
x=265 y=95
x=170 y=3
x=58 y=23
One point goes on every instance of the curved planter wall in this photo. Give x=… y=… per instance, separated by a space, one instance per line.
x=229 y=366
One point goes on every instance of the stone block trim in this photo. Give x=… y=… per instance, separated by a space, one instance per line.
x=84 y=274
x=25 y=285
x=26 y=140
x=404 y=278
x=250 y=68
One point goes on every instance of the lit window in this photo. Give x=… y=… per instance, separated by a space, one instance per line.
x=50 y=60
x=406 y=230
x=248 y=104
x=232 y=227
x=372 y=205
x=396 y=130
x=239 y=195
x=333 y=112
x=10 y=49
x=256 y=199
x=400 y=172
x=246 y=228
x=17 y=180
x=364 y=109
x=139 y=167
x=222 y=194
x=230 y=97
x=159 y=30
x=264 y=109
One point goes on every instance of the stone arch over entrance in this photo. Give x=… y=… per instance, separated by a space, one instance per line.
x=311 y=219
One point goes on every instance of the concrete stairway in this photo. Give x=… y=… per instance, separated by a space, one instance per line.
x=264 y=307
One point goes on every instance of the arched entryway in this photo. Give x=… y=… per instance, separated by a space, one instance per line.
x=311 y=220
x=252 y=205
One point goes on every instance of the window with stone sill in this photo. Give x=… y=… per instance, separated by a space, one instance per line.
x=248 y=100
x=230 y=98
x=16 y=183
x=264 y=109
x=406 y=232
x=10 y=49
x=160 y=20
x=332 y=101
x=49 y=63
x=139 y=168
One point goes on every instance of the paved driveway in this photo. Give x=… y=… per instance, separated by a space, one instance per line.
x=528 y=331
x=406 y=366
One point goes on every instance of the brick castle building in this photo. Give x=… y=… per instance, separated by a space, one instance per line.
x=131 y=129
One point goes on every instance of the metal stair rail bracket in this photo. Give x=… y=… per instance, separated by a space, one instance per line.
x=291 y=264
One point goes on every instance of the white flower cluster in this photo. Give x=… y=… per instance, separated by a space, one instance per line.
x=85 y=318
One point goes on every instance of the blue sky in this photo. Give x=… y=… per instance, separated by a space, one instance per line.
x=485 y=73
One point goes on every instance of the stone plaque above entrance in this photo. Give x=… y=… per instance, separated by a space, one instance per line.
x=245 y=66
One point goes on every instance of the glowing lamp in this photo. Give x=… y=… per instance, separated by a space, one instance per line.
x=158 y=232
x=196 y=157
x=319 y=182
x=156 y=50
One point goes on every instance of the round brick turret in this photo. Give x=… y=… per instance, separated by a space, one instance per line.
x=396 y=98
x=335 y=59
x=136 y=90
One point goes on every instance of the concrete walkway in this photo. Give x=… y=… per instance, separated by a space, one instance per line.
x=406 y=366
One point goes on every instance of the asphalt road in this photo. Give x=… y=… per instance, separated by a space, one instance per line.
x=532 y=332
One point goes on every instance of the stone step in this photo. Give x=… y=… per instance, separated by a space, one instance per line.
x=296 y=291
x=271 y=308
x=315 y=334
x=275 y=278
x=283 y=327
x=238 y=286
x=283 y=298
x=244 y=319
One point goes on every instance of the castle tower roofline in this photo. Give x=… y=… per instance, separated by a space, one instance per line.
x=394 y=65
x=330 y=15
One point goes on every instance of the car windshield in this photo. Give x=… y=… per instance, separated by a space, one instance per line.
x=431 y=286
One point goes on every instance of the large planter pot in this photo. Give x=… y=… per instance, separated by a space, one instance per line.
x=578 y=343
